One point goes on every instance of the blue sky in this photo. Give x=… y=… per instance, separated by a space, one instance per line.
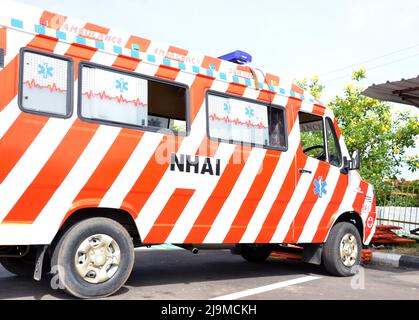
x=294 y=39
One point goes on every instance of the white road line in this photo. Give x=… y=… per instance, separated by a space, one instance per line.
x=274 y=286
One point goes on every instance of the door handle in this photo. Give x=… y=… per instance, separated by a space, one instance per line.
x=305 y=171
x=359 y=190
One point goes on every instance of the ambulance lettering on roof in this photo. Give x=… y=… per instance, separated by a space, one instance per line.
x=84 y=32
x=59 y=22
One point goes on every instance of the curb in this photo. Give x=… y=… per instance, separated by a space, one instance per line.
x=395 y=260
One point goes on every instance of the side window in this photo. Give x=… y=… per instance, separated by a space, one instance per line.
x=333 y=147
x=45 y=84
x=241 y=121
x=312 y=136
x=113 y=96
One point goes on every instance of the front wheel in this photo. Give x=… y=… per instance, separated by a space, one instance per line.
x=94 y=258
x=342 y=250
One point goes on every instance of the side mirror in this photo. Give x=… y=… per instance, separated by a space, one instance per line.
x=346 y=166
x=355 y=163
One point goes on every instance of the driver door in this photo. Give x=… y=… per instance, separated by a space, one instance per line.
x=312 y=176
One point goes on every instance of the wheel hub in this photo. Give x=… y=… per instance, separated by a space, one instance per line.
x=97 y=258
x=349 y=250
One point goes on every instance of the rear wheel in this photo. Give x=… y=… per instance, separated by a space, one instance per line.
x=255 y=253
x=94 y=258
x=20 y=267
x=342 y=250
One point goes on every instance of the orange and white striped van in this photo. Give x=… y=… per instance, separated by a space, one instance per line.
x=111 y=141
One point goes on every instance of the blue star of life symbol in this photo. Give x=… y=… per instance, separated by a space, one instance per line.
x=122 y=85
x=45 y=70
x=320 y=187
x=227 y=107
x=250 y=112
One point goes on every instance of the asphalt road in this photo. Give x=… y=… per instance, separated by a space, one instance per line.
x=213 y=274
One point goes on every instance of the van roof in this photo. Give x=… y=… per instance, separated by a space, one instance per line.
x=34 y=20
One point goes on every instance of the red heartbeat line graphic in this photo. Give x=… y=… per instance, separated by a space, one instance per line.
x=137 y=102
x=52 y=87
x=237 y=121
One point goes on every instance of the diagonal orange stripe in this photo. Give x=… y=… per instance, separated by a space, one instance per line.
x=279 y=206
x=307 y=205
x=108 y=169
x=252 y=199
x=217 y=199
x=37 y=195
x=329 y=214
x=168 y=217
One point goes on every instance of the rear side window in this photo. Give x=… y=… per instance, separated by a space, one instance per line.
x=45 y=84
x=237 y=120
x=115 y=97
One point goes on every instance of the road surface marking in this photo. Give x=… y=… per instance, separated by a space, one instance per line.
x=274 y=286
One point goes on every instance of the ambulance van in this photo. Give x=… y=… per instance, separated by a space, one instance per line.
x=110 y=142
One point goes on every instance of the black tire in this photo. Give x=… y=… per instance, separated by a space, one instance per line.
x=63 y=258
x=331 y=258
x=20 y=267
x=255 y=254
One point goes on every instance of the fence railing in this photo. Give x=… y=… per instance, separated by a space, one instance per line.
x=404 y=217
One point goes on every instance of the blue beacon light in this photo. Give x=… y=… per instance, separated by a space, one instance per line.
x=238 y=57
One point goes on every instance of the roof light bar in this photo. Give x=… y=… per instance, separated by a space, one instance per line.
x=237 y=56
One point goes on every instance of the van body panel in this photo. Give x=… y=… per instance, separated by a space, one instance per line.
x=179 y=188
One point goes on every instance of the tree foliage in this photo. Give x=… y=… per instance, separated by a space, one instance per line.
x=371 y=126
x=313 y=85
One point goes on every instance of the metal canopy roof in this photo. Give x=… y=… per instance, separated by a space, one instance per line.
x=403 y=91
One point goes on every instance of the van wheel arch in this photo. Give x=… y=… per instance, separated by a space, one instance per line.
x=351 y=217
x=121 y=216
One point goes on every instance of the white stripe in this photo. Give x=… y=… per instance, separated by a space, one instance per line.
x=204 y=186
x=307 y=107
x=280 y=100
x=285 y=164
x=203 y=190
x=135 y=165
x=303 y=187
x=351 y=192
x=61 y=48
x=228 y=213
x=316 y=214
x=366 y=213
x=12 y=111
x=349 y=197
x=59 y=204
x=137 y=162
x=8 y=116
x=168 y=183
x=15 y=41
x=274 y=286
x=37 y=154
x=147 y=69
x=370 y=194
x=31 y=163
x=103 y=59
x=198 y=200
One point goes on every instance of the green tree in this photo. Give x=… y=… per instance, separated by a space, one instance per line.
x=313 y=85
x=371 y=126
